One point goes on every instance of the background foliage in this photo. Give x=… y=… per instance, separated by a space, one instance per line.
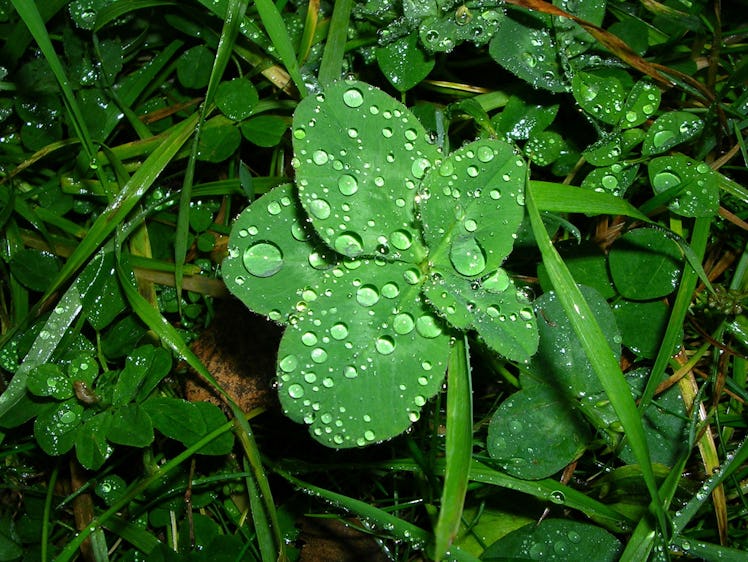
x=155 y=153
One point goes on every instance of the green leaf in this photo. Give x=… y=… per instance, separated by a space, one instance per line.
x=144 y=362
x=34 y=269
x=404 y=63
x=555 y=539
x=56 y=429
x=264 y=130
x=194 y=66
x=100 y=291
x=587 y=264
x=219 y=140
x=188 y=422
x=536 y=433
x=641 y=103
x=521 y=117
x=236 y=98
x=614 y=179
x=274 y=256
x=524 y=46
x=91 y=446
x=130 y=426
x=544 y=148
x=447 y=28
x=358 y=364
x=599 y=95
x=500 y=314
x=691 y=187
x=645 y=264
x=471 y=206
x=642 y=325
x=670 y=130
x=49 y=380
x=359 y=157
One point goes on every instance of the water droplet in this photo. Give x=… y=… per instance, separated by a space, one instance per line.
x=320 y=157
x=350 y=372
x=347 y=184
x=263 y=259
x=467 y=256
x=665 y=180
x=401 y=239
x=353 y=97
x=288 y=364
x=557 y=496
x=495 y=194
x=385 y=345
x=319 y=208
x=470 y=225
x=574 y=537
x=411 y=134
x=274 y=208
x=660 y=138
x=367 y=295
x=403 y=323
x=353 y=133
x=309 y=339
x=319 y=355
x=472 y=171
x=296 y=391
x=428 y=326
x=349 y=244
x=412 y=276
x=390 y=290
x=485 y=153
x=609 y=181
x=299 y=133
x=339 y=331
x=419 y=400
x=419 y=167
x=310 y=377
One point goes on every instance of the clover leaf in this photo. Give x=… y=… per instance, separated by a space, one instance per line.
x=383 y=251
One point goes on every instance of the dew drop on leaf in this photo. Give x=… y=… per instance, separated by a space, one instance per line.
x=367 y=295
x=309 y=339
x=320 y=208
x=339 y=331
x=385 y=345
x=401 y=239
x=403 y=323
x=428 y=326
x=319 y=355
x=347 y=184
x=467 y=256
x=390 y=290
x=350 y=372
x=353 y=97
x=263 y=259
x=349 y=244
x=288 y=364
x=296 y=391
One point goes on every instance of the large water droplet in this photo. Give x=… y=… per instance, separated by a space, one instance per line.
x=320 y=157
x=485 y=153
x=319 y=208
x=319 y=355
x=347 y=184
x=412 y=276
x=496 y=282
x=353 y=97
x=467 y=256
x=339 y=331
x=403 y=323
x=665 y=180
x=349 y=244
x=367 y=295
x=419 y=167
x=350 y=372
x=309 y=339
x=428 y=326
x=263 y=259
x=288 y=364
x=661 y=137
x=385 y=345
x=390 y=290
x=401 y=239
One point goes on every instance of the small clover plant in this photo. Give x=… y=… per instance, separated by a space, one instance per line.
x=385 y=249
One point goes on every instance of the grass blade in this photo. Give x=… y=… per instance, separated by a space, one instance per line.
x=459 y=447
x=331 y=66
x=598 y=352
x=276 y=30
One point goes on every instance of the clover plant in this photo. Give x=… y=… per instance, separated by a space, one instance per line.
x=384 y=250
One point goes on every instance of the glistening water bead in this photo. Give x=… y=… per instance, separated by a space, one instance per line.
x=263 y=259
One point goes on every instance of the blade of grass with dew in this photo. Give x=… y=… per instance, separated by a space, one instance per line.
x=546 y=490
x=119 y=8
x=171 y=337
x=398 y=528
x=681 y=304
x=69 y=551
x=598 y=352
x=331 y=66
x=310 y=28
x=235 y=11
x=47 y=517
x=126 y=199
x=276 y=30
x=459 y=447
x=45 y=344
x=18 y=40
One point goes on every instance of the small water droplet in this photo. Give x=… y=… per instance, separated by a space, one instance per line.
x=385 y=345
x=390 y=290
x=320 y=157
x=660 y=138
x=411 y=134
x=401 y=239
x=263 y=259
x=412 y=276
x=319 y=355
x=403 y=323
x=472 y=171
x=665 y=180
x=470 y=225
x=350 y=372
x=557 y=496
